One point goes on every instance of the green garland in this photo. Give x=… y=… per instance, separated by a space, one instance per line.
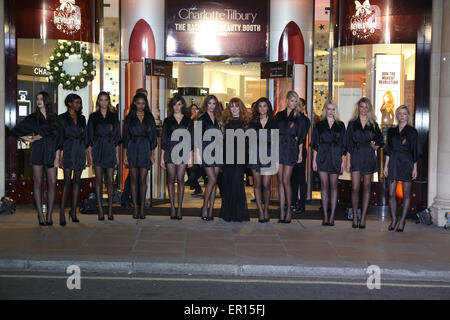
x=67 y=81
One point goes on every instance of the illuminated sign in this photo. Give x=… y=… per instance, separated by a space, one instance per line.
x=366 y=20
x=67 y=17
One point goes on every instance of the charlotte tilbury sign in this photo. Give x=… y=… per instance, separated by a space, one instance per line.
x=230 y=28
x=379 y=21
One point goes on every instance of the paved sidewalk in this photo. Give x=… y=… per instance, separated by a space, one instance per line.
x=192 y=246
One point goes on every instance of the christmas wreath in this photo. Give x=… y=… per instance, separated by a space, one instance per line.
x=69 y=81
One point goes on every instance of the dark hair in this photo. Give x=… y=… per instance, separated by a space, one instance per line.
x=133 y=107
x=142 y=90
x=97 y=104
x=71 y=97
x=52 y=117
x=256 y=116
x=175 y=99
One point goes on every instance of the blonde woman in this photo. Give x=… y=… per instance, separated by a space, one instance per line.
x=363 y=139
x=292 y=137
x=234 y=202
x=402 y=154
x=328 y=144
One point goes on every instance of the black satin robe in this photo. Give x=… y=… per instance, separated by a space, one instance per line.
x=170 y=124
x=330 y=146
x=104 y=137
x=362 y=156
x=403 y=151
x=292 y=134
x=140 y=139
x=43 y=151
x=234 y=201
x=207 y=124
x=271 y=124
x=74 y=141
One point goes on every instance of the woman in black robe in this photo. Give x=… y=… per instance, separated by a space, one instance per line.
x=74 y=133
x=363 y=139
x=262 y=120
x=210 y=119
x=178 y=118
x=292 y=135
x=402 y=153
x=103 y=151
x=234 y=202
x=139 y=143
x=328 y=144
x=44 y=125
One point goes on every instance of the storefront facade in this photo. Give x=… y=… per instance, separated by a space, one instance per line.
x=380 y=49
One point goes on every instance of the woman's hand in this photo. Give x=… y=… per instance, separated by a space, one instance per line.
x=125 y=160
x=343 y=165
x=374 y=146
x=414 y=173
x=61 y=166
x=36 y=138
x=348 y=164
x=385 y=171
x=89 y=159
x=314 y=165
x=300 y=158
x=163 y=164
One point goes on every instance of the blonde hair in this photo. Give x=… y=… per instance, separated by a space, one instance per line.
x=371 y=116
x=299 y=108
x=404 y=107
x=324 y=110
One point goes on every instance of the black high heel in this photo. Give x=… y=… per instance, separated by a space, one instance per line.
x=400 y=230
x=142 y=217
x=62 y=223
x=110 y=217
x=74 y=220
x=331 y=224
x=392 y=226
x=201 y=215
x=48 y=223
x=101 y=218
x=42 y=223
x=355 y=226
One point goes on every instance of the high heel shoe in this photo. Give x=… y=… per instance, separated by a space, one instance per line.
x=324 y=223
x=142 y=217
x=331 y=224
x=261 y=220
x=101 y=218
x=110 y=217
x=355 y=226
x=403 y=227
x=392 y=226
x=62 y=223
x=74 y=220
x=42 y=223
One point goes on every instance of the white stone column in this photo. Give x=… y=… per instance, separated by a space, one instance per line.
x=441 y=203
x=2 y=101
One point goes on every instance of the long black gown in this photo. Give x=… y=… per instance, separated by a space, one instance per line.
x=43 y=151
x=74 y=141
x=170 y=124
x=104 y=137
x=234 y=202
x=330 y=146
x=362 y=155
x=403 y=151
x=140 y=139
x=292 y=134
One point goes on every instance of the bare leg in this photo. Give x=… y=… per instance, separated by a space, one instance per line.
x=66 y=188
x=367 y=179
x=75 y=192
x=356 y=182
x=281 y=193
x=133 y=187
x=110 y=186
x=37 y=191
x=257 y=187
x=143 y=172
x=51 y=180
x=334 y=195
x=287 y=174
x=393 y=203
x=99 y=190
x=181 y=170
x=406 y=204
x=266 y=184
x=324 y=192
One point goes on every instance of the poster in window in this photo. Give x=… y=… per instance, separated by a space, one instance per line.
x=388 y=87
